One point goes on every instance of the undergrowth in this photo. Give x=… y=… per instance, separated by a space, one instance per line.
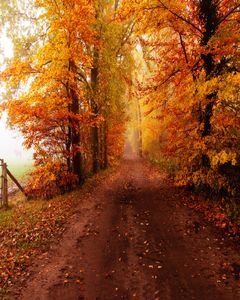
x=165 y=164
x=223 y=211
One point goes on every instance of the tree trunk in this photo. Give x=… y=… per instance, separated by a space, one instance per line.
x=95 y=138
x=105 y=145
x=139 y=113
x=68 y=143
x=208 y=13
x=76 y=139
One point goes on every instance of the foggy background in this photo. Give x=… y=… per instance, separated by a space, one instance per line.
x=11 y=149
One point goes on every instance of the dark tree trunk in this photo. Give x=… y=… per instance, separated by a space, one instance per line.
x=103 y=149
x=208 y=13
x=139 y=129
x=68 y=143
x=105 y=145
x=94 y=106
x=208 y=115
x=68 y=148
x=76 y=139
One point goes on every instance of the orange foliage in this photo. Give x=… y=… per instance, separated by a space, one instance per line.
x=49 y=103
x=115 y=142
x=192 y=96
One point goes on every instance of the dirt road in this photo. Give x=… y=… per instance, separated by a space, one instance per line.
x=133 y=238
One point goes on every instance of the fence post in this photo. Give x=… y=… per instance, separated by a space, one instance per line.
x=4 y=185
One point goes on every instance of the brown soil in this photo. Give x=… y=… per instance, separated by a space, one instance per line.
x=133 y=238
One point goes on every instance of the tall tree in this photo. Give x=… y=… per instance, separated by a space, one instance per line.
x=112 y=63
x=49 y=105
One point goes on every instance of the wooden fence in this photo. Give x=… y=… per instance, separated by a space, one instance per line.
x=4 y=185
x=5 y=173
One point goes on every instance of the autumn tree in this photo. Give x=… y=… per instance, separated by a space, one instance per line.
x=192 y=47
x=48 y=102
x=66 y=88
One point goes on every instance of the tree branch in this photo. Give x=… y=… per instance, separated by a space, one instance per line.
x=126 y=37
x=166 y=80
x=85 y=80
x=184 y=49
x=180 y=17
x=229 y=13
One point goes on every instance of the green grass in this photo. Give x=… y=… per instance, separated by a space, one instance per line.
x=165 y=164
x=20 y=169
x=20 y=172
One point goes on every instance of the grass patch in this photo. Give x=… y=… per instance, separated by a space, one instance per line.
x=19 y=170
x=165 y=164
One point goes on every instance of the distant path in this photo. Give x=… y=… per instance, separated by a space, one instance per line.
x=134 y=239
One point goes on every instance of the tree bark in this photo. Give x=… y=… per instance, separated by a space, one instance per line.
x=139 y=113
x=94 y=106
x=105 y=145
x=208 y=13
x=76 y=139
x=68 y=143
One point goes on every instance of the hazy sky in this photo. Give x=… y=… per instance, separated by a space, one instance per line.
x=10 y=141
x=11 y=149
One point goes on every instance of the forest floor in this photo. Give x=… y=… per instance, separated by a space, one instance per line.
x=133 y=237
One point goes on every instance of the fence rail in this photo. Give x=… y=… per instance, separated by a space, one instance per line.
x=4 y=184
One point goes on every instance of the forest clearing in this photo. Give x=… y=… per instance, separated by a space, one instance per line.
x=130 y=110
